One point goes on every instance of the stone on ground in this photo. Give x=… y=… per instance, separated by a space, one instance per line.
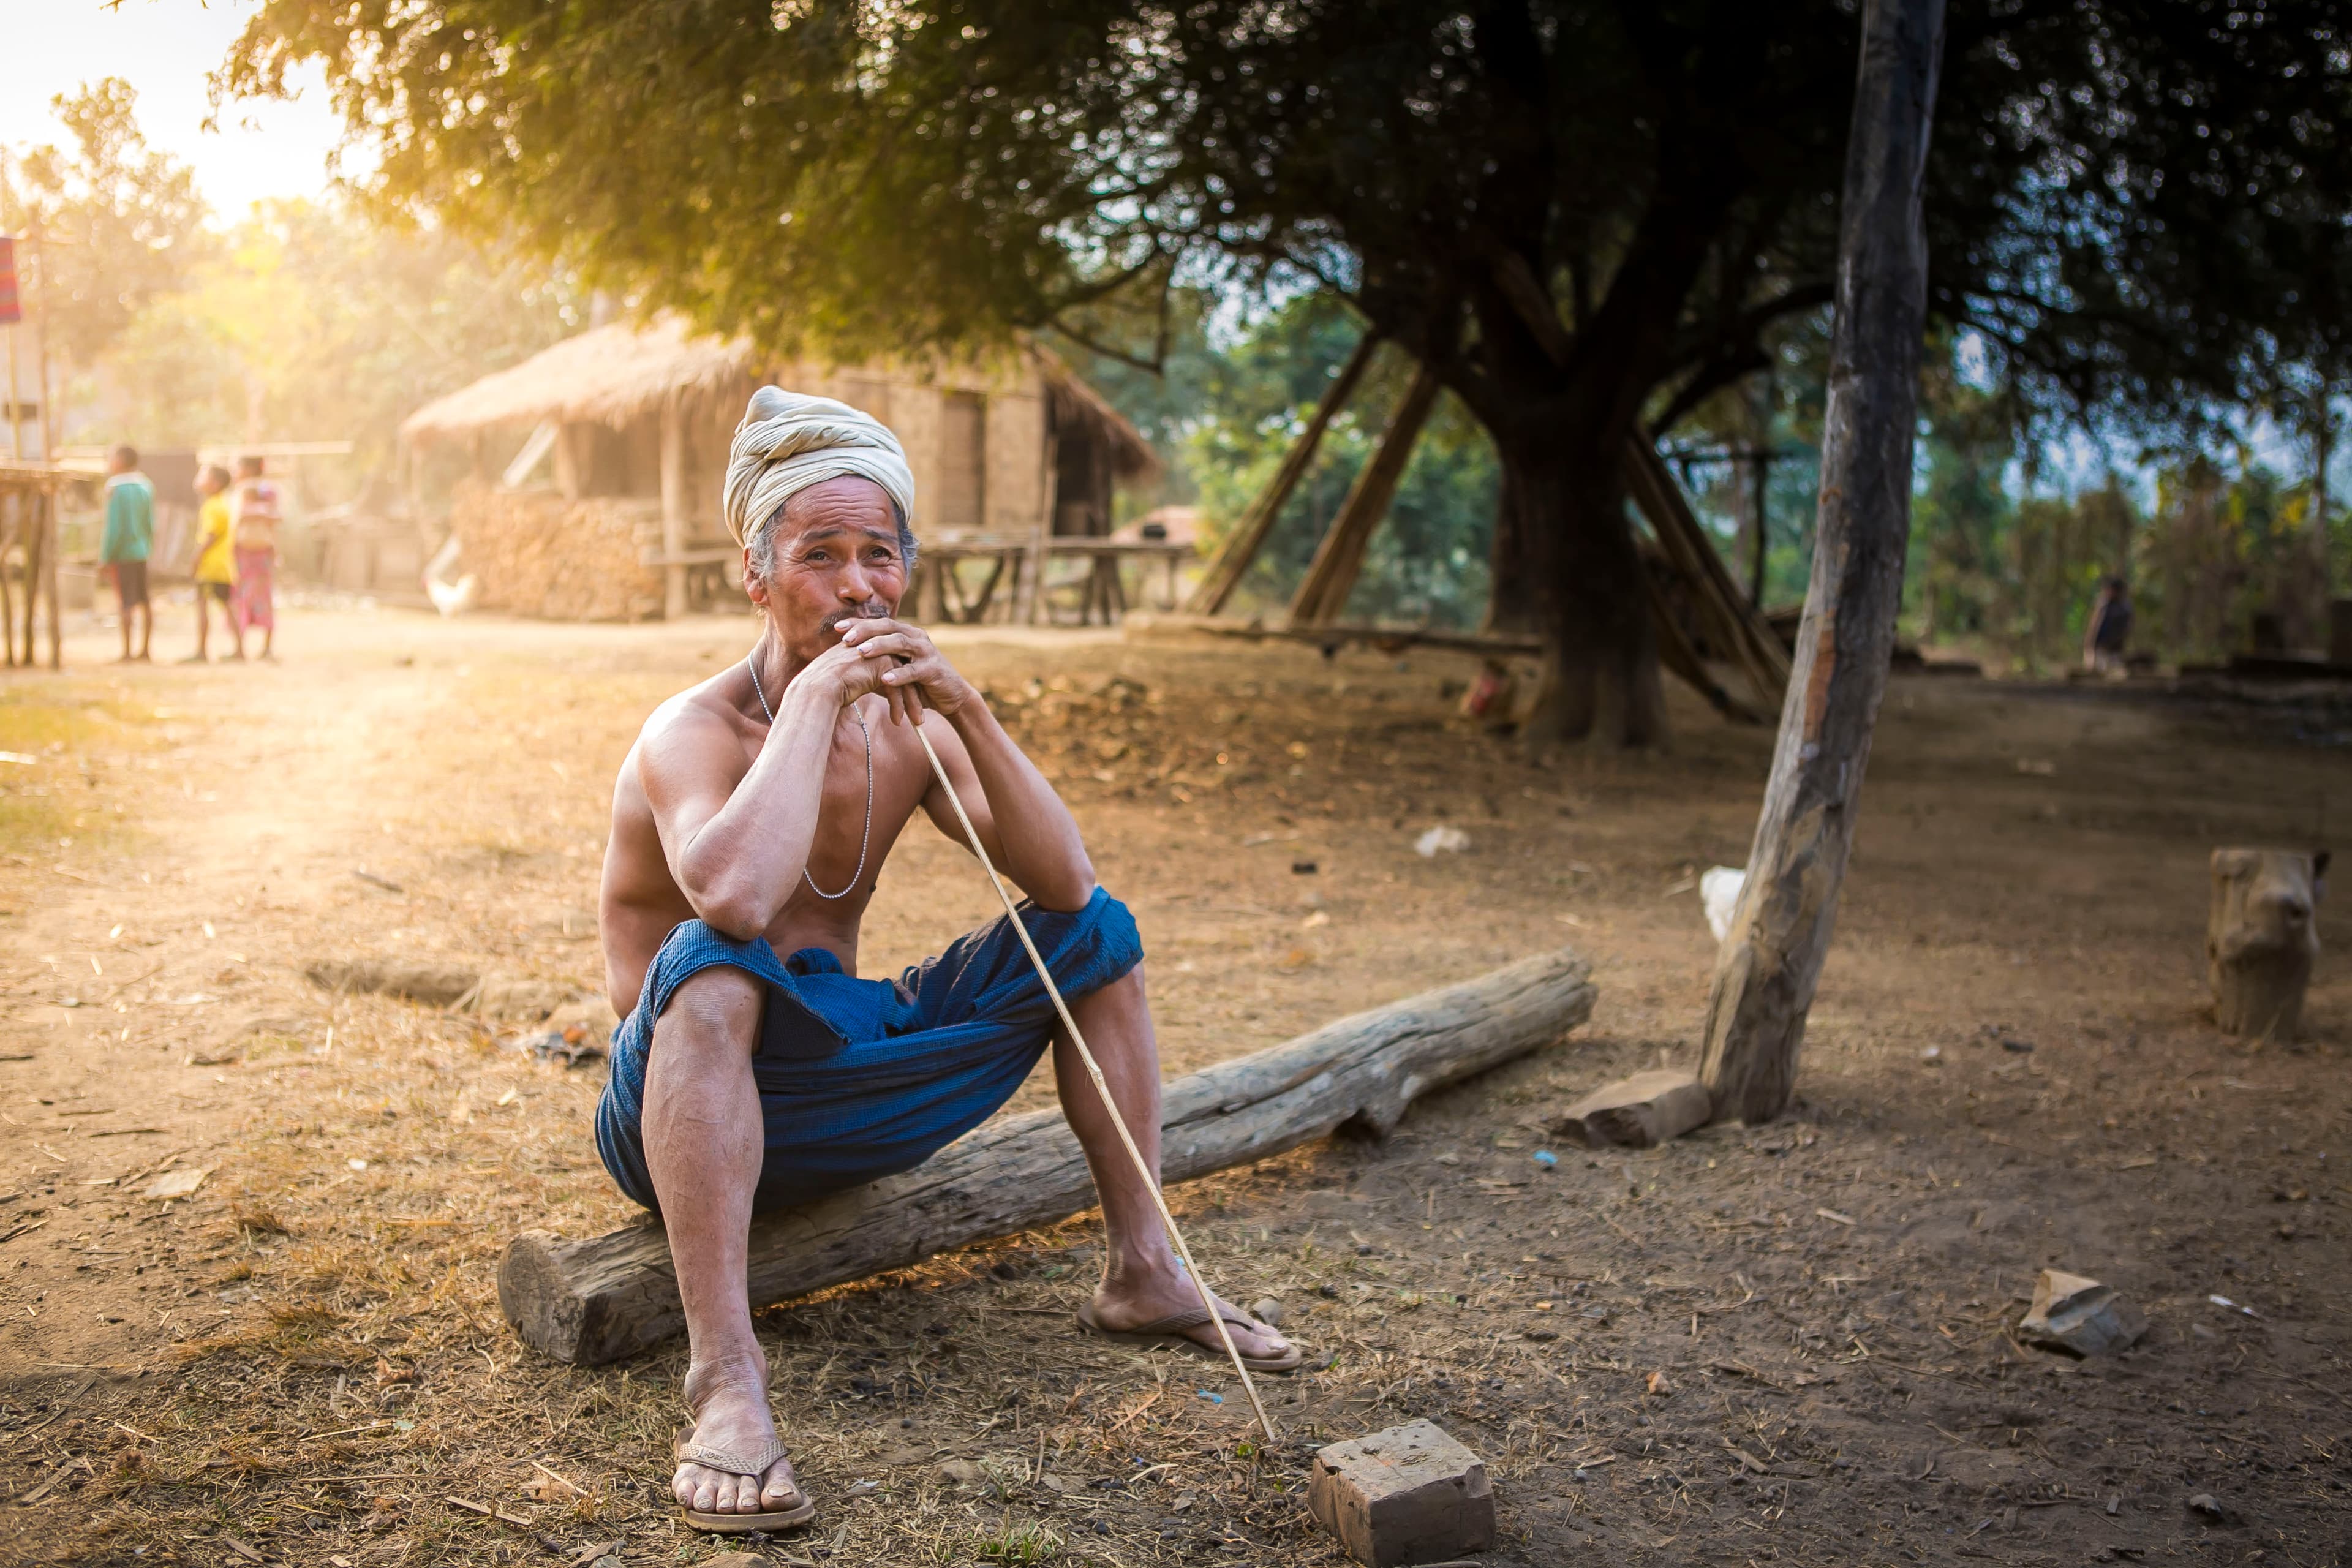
x=2080 y=1316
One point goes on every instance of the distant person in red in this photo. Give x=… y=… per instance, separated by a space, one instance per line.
x=2110 y=629
x=254 y=515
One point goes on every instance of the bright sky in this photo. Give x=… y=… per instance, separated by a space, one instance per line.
x=165 y=49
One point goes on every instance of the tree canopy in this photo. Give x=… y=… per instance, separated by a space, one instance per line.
x=1585 y=215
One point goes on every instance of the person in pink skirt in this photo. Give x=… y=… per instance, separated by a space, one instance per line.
x=254 y=514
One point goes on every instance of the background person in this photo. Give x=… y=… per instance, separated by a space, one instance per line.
x=2110 y=629
x=128 y=539
x=253 y=512
x=215 y=563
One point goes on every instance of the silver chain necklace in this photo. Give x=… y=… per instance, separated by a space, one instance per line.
x=866 y=836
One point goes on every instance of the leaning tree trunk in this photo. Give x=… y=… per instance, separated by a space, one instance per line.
x=1770 y=961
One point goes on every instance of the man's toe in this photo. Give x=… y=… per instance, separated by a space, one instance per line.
x=780 y=1488
x=706 y=1495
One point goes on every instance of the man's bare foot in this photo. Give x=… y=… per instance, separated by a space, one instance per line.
x=1132 y=1300
x=729 y=1404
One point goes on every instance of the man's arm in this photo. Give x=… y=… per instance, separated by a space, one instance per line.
x=1029 y=834
x=737 y=841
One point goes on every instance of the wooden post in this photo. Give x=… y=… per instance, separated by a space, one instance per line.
x=1033 y=608
x=2322 y=568
x=1762 y=545
x=1759 y=482
x=41 y=573
x=2261 y=939
x=1771 y=961
x=15 y=399
x=13 y=510
x=1241 y=547
x=1323 y=592
x=673 y=504
x=44 y=511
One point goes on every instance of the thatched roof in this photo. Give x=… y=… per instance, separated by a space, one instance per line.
x=1075 y=401
x=611 y=374
x=606 y=375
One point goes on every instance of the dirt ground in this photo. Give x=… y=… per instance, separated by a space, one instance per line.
x=303 y=1361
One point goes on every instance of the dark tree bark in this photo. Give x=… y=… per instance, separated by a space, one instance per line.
x=1765 y=976
x=1601 y=679
x=1511 y=599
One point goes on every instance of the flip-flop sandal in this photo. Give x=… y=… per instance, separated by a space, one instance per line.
x=689 y=1452
x=1168 y=1333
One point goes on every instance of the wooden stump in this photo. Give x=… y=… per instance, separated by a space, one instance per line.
x=1638 y=1112
x=2261 y=939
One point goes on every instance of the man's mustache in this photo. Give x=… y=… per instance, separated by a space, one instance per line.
x=871 y=610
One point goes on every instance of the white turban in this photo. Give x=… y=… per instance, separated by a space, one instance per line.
x=788 y=442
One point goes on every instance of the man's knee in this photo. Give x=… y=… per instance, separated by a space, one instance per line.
x=715 y=1009
x=1122 y=1012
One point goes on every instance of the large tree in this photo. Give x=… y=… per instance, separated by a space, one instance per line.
x=1584 y=214
x=117 y=223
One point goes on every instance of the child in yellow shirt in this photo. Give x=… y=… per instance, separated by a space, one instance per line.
x=216 y=562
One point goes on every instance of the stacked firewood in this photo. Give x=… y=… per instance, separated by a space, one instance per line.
x=536 y=553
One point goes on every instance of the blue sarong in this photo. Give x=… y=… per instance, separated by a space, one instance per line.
x=863 y=1078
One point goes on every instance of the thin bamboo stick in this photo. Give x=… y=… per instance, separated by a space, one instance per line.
x=1094 y=1071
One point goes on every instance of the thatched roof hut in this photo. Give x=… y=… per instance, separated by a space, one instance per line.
x=637 y=418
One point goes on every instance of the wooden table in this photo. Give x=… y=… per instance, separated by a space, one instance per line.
x=1103 y=590
x=941 y=593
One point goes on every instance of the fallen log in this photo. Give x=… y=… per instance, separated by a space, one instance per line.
x=592 y=1301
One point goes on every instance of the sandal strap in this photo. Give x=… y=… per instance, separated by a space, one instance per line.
x=755 y=1465
x=1177 y=1322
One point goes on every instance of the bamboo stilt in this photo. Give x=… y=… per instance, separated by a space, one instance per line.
x=1323 y=593
x=1241 y=548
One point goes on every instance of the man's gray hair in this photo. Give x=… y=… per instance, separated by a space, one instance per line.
x=763 y=542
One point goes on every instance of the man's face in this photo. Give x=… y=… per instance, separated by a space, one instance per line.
x=836 y=559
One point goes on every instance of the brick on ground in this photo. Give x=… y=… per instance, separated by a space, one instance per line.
x=1410 y=1494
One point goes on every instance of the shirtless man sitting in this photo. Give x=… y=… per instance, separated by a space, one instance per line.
x=750 y=823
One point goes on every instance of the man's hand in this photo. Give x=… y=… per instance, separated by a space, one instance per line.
x=913 y=671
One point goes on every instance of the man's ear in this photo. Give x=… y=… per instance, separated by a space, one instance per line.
x=755 y=588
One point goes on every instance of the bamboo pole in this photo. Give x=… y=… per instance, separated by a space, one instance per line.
x=1242 y=546
x=1729 y=622
x=1323 y=592
x=1094 y=1070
